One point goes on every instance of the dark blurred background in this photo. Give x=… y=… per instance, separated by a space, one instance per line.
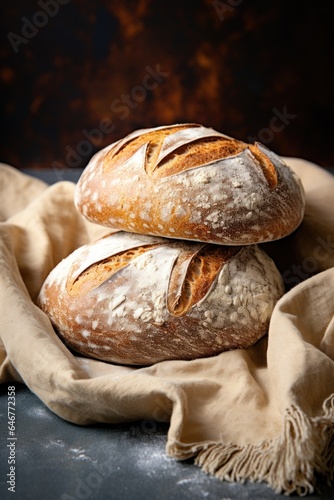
x=78 y=75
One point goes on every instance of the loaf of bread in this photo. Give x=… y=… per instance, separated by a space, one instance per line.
x=136 y=299
x=190 y=182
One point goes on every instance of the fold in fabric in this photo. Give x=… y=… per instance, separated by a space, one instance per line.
x=265 y=413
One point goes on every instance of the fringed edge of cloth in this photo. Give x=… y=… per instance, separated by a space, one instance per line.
x=288 y=463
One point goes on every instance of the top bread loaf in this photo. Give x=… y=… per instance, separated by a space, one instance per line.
x=190 y=182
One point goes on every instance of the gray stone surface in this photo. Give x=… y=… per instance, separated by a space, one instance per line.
x=57 y=460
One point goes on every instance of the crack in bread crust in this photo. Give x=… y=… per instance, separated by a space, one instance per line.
x=191 y=182
x=266 y=165
x=99 y=272
x=129 y=145
x=187 y=153
x=193 y=275
x=126 y=318
x=196 y=154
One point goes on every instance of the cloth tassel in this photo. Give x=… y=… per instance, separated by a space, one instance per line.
x=288 y=464
x=329 y=439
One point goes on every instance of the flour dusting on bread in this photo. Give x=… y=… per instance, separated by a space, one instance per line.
x=138 y=299
x=191 y=182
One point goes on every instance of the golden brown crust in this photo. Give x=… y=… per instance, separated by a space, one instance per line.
x=135 y=299
x=99 y=272
x=193 y=183
x=188 y=288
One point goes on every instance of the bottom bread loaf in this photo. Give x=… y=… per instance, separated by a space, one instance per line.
x=135 y=299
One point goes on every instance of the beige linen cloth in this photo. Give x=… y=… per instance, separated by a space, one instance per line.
x=262 y=414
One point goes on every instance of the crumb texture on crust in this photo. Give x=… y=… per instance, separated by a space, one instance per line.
x=193 y=183
x=160 y=299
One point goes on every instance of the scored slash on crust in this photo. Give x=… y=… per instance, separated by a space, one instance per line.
x=192 y=274
x=174 y=149
x=219 y=298
x=191 y=182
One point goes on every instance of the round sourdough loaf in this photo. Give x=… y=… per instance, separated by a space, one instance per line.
x=135 y=299
x=193 y=183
